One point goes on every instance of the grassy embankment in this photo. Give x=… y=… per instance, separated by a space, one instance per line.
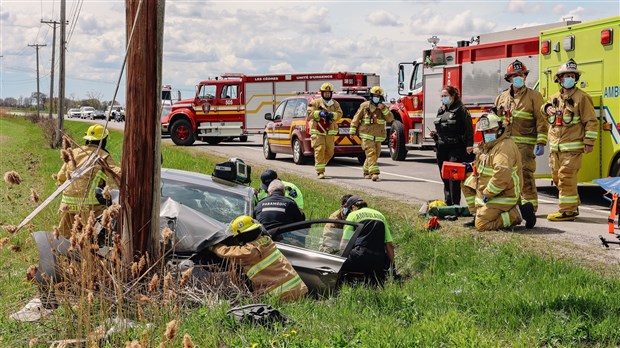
x=462 y=288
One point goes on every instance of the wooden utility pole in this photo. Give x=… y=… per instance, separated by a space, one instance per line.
x=53 y=23
x=141 y=163
x=61 y=78
x=37 y=46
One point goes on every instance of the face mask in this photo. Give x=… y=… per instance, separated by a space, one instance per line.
x=489 y=137
x=345 y=211
x=446 y=101
x=518 y=82
x=376 y=100
x=568 y=83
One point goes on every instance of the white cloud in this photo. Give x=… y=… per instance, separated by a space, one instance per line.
x=523 y=6
x=576 y=14
x=464 y=24
x=558 y=9
x=383 y=19
x=278 y=68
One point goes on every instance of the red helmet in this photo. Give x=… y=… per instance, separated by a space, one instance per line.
x=514 y=68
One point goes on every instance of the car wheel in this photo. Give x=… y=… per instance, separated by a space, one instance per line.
x=298 y=152
x=361 y=158
x=267 y=149
x=213 y=140
x=181 y=133
x=398 y=150
x=243 y=138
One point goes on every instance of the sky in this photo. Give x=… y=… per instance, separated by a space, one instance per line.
x=203 y=39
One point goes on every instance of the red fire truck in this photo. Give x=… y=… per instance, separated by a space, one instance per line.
x=234 y=105
x=476 y=70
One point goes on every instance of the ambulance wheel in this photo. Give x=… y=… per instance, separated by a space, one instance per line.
x=243 y=138
x=298 y=152
x=266 y=149
x=398 y=150
x=361 y=158
x=181 y=133
x=615 y=169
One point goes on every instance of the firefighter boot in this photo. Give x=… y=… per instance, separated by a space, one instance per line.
x=528 y=214
x=564 y=216
x=470 y=223
x=375 y=177
x=321 y=175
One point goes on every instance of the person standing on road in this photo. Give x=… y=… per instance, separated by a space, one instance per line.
x=526 y=124
x=498 y=180
x=82 y=197
x=373 y=250
x=454 y=138
x=371 y=118
x=573 y=131
x=290 y=190
x=269 y=272
x=322 y=116
x=332 y=233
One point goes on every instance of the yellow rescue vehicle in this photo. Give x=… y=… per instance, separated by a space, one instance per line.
x=595 y=46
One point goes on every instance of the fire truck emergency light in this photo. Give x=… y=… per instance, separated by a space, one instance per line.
x=545 y=47
x=607 y=36
x=569 y=43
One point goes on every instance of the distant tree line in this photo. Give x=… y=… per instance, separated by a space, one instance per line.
x=93 y=99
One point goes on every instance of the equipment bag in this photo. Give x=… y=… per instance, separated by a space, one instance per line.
x=454 y=210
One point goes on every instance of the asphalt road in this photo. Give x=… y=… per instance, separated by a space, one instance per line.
x=417 y=180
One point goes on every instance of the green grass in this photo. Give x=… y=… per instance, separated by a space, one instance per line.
x=462 y=289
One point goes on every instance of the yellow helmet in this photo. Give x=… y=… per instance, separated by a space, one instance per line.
x=376 y=90
x=96 y=132
x=488 y=121
x=243 y=224
x=327 y=87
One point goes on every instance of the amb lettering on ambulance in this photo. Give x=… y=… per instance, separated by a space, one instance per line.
x=595 y=46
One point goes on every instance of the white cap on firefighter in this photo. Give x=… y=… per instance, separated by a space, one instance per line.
x=327 y=87
x=487 y=122
x=569 y=67
x=376 y=90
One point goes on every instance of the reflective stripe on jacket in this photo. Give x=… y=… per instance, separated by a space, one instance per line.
x=371 y=121
x=528 y=124
x=314 y=119
x=579 y=124
x=268 y=270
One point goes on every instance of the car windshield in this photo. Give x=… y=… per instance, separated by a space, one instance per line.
x=223 y=206
x=349 y=107
x=207 y=92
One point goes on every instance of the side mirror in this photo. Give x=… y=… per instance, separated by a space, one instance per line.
x=268 y=116
x=178 y=95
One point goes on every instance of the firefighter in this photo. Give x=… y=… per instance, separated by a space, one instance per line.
x=83 y=195
x=269 y=272
x=525 y=123
x=371 y=118
x=322 y=116
x=290 y=190
x=332 y=232
x=454 y=138
x=498 y=179
x=373 y=250
x=572 y=131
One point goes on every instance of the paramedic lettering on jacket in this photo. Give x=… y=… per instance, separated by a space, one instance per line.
x=525 y=123
x=572 y=131
x=454 y=138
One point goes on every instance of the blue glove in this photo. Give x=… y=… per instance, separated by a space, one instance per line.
x=329 y=117
x=468 y=167
x=485 y=199
x=539 y=150
x=322 y=114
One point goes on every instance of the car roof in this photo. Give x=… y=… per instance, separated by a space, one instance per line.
x=205 y=180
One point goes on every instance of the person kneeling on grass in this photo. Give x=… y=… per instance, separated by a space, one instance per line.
x=269 y=272
x=373 y=251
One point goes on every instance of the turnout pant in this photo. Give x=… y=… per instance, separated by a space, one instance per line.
x=373 y=151
x=451 y=188
x=529 y=192
x=490 y=219
x=67 y=216
x=470 y=198
x=564 y=169
x=323 y=146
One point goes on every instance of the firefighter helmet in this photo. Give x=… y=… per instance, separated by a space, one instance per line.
x=516 y=67
x=96 y=132
x=327 y=87
x=487 y=122
x=376 y=90
x=569 y=67
x=243 y=224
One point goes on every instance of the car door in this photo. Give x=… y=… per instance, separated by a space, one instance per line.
x=274 y=129
x=300 y=242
